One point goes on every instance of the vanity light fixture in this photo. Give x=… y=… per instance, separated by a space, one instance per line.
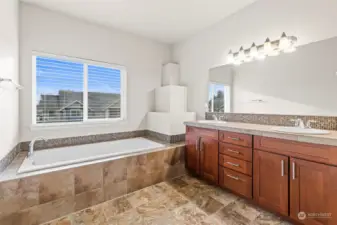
x=286 y=44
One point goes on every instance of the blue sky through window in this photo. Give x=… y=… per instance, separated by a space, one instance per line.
x=53 y=75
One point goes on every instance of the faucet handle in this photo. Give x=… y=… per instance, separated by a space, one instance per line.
x=309 y=122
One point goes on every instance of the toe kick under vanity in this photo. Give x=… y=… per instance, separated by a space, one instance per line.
x=285 y=174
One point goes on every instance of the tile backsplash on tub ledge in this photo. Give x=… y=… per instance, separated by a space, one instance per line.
x=82 y=140
x=322 y=122
x=5 y=161
x=89 y=139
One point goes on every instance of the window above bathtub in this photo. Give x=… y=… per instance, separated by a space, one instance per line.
x=76 y=91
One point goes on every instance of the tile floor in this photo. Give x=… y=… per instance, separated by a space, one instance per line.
x=183 y=200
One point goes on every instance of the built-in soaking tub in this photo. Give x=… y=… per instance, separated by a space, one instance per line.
x=81 y=154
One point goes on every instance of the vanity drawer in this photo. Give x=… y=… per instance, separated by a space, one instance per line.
x=236 y=138
x=235 y=151
x=236 y=164
x=237 y=182
x=201 y=132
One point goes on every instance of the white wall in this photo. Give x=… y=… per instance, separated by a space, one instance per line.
x=309 y=20
x=46 y=31
x=9 y=101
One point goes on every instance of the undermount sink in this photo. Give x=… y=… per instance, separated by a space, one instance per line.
x=211 y=121
x=299 y=130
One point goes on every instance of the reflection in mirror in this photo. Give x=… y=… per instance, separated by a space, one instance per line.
x=219 y=90
x=300 y=83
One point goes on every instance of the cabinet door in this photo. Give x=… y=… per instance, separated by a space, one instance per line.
x=313 y=190
x=209 y=150
x=192 y=152
x=270 y=180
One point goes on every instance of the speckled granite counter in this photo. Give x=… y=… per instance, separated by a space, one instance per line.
x=266 y=130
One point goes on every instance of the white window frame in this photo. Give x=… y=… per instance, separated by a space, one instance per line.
x=86 y=62
x=227 y=96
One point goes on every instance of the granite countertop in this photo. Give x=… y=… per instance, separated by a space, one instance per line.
x=266 y=131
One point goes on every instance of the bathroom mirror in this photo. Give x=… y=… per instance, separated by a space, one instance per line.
x=300 y=83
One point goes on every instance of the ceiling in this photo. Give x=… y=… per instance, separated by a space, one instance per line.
x=168 y=21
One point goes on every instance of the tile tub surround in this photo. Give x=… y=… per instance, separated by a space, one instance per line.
x=37 y=199
x=266 y=131
x=169 y=203
x=323 y=122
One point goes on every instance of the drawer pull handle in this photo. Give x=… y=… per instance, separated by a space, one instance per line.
x=234 y=138
x=233 y=177
x=294 y=171
x=282 y=168
x=233 y=151
x=233 y=164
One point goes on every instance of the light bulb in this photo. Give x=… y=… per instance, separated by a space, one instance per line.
x=253 y=51
x=284 y=42
x=230 y=57
x=267 y=47
x=242 y=54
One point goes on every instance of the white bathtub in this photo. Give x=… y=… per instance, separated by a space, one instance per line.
x=59 y=157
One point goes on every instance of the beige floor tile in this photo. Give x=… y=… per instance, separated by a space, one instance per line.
x=266 y=218
x=141 y=197
x=222 y=196
x=182 y=201
x=177 y=183
x=68 y=220
x=189 y=214
x=116 y=206
x=90 y=216
x=128 y=218
x=153 y=213
x=207 y=204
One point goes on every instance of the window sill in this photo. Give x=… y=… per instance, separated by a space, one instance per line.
x=94 y=123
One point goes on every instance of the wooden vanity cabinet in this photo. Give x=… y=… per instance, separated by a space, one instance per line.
x=310 y=184
x=286 y=177
x=271 y=181
x=313 y=189
x=192 y=154
x=209 y=156
x=202 y=153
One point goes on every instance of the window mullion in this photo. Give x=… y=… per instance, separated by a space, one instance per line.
x=85 y=93
x=212 y=102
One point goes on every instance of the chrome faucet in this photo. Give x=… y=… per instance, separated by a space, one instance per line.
x=215 y=117
x=298 y=123
x=309 y=122
x=31 y=145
